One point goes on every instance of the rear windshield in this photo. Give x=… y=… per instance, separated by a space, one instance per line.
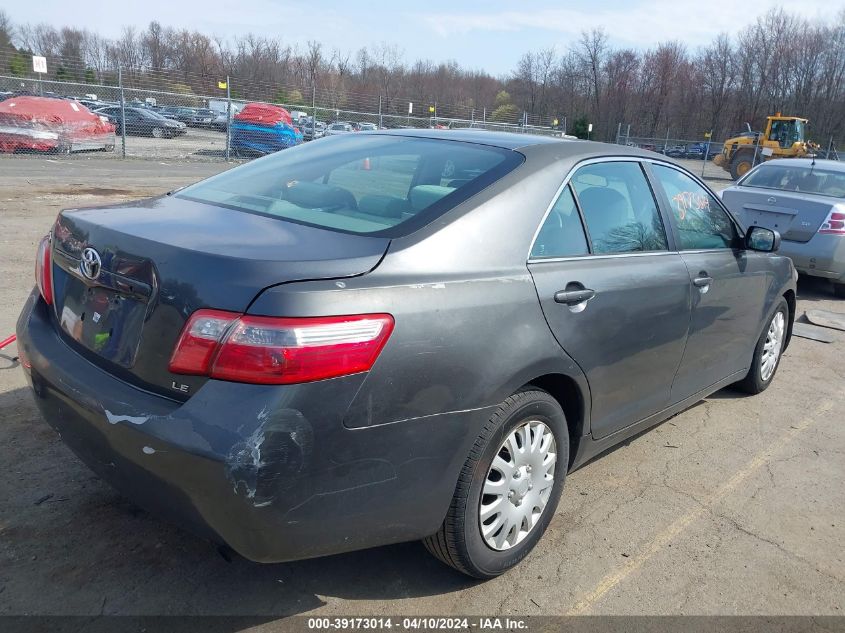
x=804 y=179
x=368 y=184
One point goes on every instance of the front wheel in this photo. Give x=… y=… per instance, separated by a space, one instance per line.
x=839 y=290
x=508 y=489
x=768 y=352
x=157 y=132
x=741 y=164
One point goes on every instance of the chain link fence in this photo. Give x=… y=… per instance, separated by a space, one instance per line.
x=172 y=115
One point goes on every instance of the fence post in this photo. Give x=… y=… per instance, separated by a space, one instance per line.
x=666 y=143
x=380 y=116
x=314 y=112
x=618 y=133
x=829 y=147
x=228 y=118
x=756 y=148
x=706 y=152
x=122 y=112
x=484 y=120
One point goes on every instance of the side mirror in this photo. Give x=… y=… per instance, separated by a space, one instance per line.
x=761 y=239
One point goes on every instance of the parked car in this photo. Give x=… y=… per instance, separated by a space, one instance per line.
x=696 y=151
x=220 y=121
x=365 y=126
x=143 y=122
x=309 y=134
x=294 y=356
x=44 y=124
x=339 y=127
x=193 y=117
x=803 y=199
x=263 y=128
x=676 y=151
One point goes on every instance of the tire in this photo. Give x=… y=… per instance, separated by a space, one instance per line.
x=459 y=542
x=157 y=132
x=839 y=290
x=757 y=380
x=741 y=163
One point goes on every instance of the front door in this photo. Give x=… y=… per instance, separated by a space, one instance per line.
x=729 y=285
x=617 y=299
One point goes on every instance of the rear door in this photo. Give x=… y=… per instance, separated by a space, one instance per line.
x=729 y=283
x=617 y=297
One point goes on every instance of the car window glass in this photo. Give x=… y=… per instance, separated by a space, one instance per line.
x=619 y=208
x=799 y=178
x=700 y=220
x=360 y=183
x=562 y=234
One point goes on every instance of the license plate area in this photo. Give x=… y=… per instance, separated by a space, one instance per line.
x=777 y=220
x=104 y=320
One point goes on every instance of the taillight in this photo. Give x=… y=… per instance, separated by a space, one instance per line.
x=270 y=350
x=834 y=224
x=199 y=340
x=44 y=270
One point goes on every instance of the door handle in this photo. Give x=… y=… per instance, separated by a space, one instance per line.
x=702 y=282
x=574 y=297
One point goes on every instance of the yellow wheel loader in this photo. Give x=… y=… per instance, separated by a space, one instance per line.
x=785 y=137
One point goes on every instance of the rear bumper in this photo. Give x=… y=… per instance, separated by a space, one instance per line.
x=822 y=256
x=270 y=471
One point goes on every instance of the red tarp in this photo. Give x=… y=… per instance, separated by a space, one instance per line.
x=263 y=114
x=44 y=124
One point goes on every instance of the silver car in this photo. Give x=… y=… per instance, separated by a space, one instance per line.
x=804 y=200
x=339 y=127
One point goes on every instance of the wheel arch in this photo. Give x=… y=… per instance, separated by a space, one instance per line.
x=789 y=295
x=572 y=400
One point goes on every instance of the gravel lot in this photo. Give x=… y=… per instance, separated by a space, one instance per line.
x=736 y=506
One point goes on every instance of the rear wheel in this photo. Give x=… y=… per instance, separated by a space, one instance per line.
x=839 y=290
x=508 y=489
x=768 y=352
x=741 y=164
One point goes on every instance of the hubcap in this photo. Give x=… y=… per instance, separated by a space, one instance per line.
x=518 y=485
x=772 y=346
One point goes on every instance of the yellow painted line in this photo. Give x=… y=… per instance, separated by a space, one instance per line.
x=675 y=528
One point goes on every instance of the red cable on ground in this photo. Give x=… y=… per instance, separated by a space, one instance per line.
x=8 y=341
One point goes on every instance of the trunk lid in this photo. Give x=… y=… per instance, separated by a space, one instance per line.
x=156 y=261
x=796 y=216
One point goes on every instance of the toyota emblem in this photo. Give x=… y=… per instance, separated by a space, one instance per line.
x=91 y=263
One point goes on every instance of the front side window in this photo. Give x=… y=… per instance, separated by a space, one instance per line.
x=700 y=220
x=360 y=184
x=619 y=208
x=562 y=234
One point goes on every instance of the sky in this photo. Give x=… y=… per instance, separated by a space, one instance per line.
x=481 y=34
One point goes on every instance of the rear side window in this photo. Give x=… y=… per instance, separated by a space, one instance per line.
x=619 y=208
x=804 y=179
x=700 y=220
x=374 y=184
x=562 y=234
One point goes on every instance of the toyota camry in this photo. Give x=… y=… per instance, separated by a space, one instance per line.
x=393 y=336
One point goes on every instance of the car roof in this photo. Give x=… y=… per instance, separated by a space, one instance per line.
x=527 y=143
x=821 y=163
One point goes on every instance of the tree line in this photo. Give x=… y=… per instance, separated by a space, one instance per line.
x=780 y=62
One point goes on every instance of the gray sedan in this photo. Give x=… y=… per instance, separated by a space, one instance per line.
x=393 y=336
x=804 y=200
